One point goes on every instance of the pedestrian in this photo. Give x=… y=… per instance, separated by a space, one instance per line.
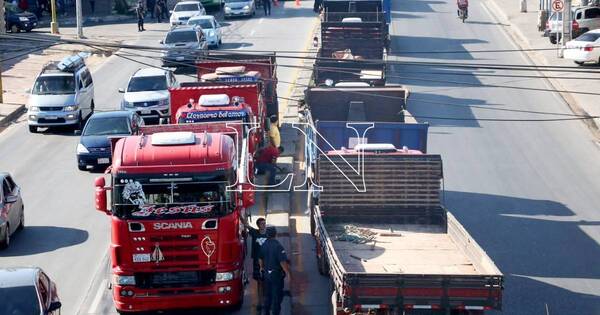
x=93 y=6
x=164 y=10
x=151 y=6
x=140 y=12
x=274 y=135
x=266 y=161
x=267 y=6
x=275 y=265
x=259 y=236
x=157 y=11
x=41 y=7
x=317 y=6
x=23 y=5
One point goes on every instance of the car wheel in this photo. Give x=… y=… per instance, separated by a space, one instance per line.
x=14 y=29
x=33 y=129
x=29 y=30
x=579 y=63
x=6 y=240
x=22 y=220
x=82 y=167
x=92 y=108
x=552 y=40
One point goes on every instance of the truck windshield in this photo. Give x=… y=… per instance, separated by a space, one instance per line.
x=159 y=198
x=61 y=84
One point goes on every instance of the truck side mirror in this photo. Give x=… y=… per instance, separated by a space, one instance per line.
x=248 y=195
x=101 y=203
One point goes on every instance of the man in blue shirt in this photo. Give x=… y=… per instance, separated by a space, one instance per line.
x=274 y=265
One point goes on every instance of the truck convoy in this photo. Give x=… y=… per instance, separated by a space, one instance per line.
x=175 y=208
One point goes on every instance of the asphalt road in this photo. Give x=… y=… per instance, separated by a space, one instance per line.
x=526 y=191
x=64 y=234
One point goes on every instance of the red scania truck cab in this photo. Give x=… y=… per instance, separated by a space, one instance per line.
x=176 y=235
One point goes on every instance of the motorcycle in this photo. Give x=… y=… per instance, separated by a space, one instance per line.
x=462 y=14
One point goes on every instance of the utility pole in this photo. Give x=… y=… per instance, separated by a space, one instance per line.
x=2 y=31
x=79 y=19
x=54 y=23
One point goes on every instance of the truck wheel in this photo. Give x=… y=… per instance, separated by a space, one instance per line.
x=579 y=63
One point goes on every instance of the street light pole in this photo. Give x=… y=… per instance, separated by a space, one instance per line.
x=54 y=23
x=79 y=19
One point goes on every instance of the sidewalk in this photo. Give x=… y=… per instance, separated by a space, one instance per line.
x=87 y=20
x=523 y=29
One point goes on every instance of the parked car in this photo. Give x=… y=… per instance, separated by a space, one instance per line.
x=239 y=8
x=18 y=20
x=148 y=95
x=210 y=27
x=184 y=10
x=584 y=19
x=93 y=149
x=28 y=291
x=183 y=45
x=62 y=95
x=584 y=48
x=12 y=211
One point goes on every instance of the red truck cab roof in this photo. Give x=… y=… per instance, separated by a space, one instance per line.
x=179 y=151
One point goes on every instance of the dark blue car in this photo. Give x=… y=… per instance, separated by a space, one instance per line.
x=94 y=149
x=19 y=20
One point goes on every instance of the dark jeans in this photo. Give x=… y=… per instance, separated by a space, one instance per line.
x=140 y=24
x=267 y=6
x=273 y=290
x=268 y=168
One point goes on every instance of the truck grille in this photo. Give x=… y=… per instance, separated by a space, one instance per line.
x=175 y=279
x=51 y=108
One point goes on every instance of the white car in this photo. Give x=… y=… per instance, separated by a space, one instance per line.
x=584 y=48
x=210 y=27
x=184 y=10
x=147 y=94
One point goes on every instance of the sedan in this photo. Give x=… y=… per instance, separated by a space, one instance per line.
x=584 y=48
x=12 y=213
x=94 y=148
x=28 y=291
x=19 y=20
x=210 y=27
x=184 y=10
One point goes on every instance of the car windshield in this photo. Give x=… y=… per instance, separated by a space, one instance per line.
x=61 y=84
x=21 y=300
x=203 y=23
x=588 y=37
x=107 y=126
x=181 y=37
x=139 y=84
x=13 y=9
x=151 y=198
x=186 y=7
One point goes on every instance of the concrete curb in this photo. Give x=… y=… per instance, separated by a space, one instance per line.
x=523 y=43
x=71 y=21
x=14 y=114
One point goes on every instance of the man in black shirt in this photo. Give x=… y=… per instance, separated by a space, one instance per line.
x=258 y=237
x=274 y=265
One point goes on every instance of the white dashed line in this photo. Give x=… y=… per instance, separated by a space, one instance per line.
x=94 y=307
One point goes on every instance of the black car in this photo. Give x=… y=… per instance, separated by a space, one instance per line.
x=94 y=145
x=28 y=291
x=18 y=20
x=12 y=210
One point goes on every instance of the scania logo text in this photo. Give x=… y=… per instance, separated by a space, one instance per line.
x=172 y=225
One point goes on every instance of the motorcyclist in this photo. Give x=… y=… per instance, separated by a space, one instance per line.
x=462 y=5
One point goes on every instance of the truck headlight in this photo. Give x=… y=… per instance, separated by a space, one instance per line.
x=34 y=109
x=81 y=149
x=70 y=108
x=227 y=9
x=246 y=8
x=127 y=104
x=224 y=276
x=164 y=102
x=124 y=280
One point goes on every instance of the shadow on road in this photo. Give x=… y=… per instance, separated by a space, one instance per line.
x=419 y=6
x=537 y=244
x=432 y=47
x=41 y=239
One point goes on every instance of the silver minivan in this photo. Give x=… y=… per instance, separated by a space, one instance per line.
x=62 y=95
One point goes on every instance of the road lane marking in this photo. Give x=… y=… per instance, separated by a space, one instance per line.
x=94 y=307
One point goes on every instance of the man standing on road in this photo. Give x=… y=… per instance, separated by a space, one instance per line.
x=274 y=135
x=140 y=12
x=274 y=265
x=259 y=236
x=267 y=6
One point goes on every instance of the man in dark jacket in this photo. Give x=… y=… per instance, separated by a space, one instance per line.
x=140 y=12
x=267 y=6
x=258 y=236
x=274 y=265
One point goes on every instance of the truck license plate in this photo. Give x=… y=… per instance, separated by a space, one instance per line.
x=103 y=161
x=138 y=258
x=52 y=117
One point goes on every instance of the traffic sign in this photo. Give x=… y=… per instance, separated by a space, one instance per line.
x=558 y=5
